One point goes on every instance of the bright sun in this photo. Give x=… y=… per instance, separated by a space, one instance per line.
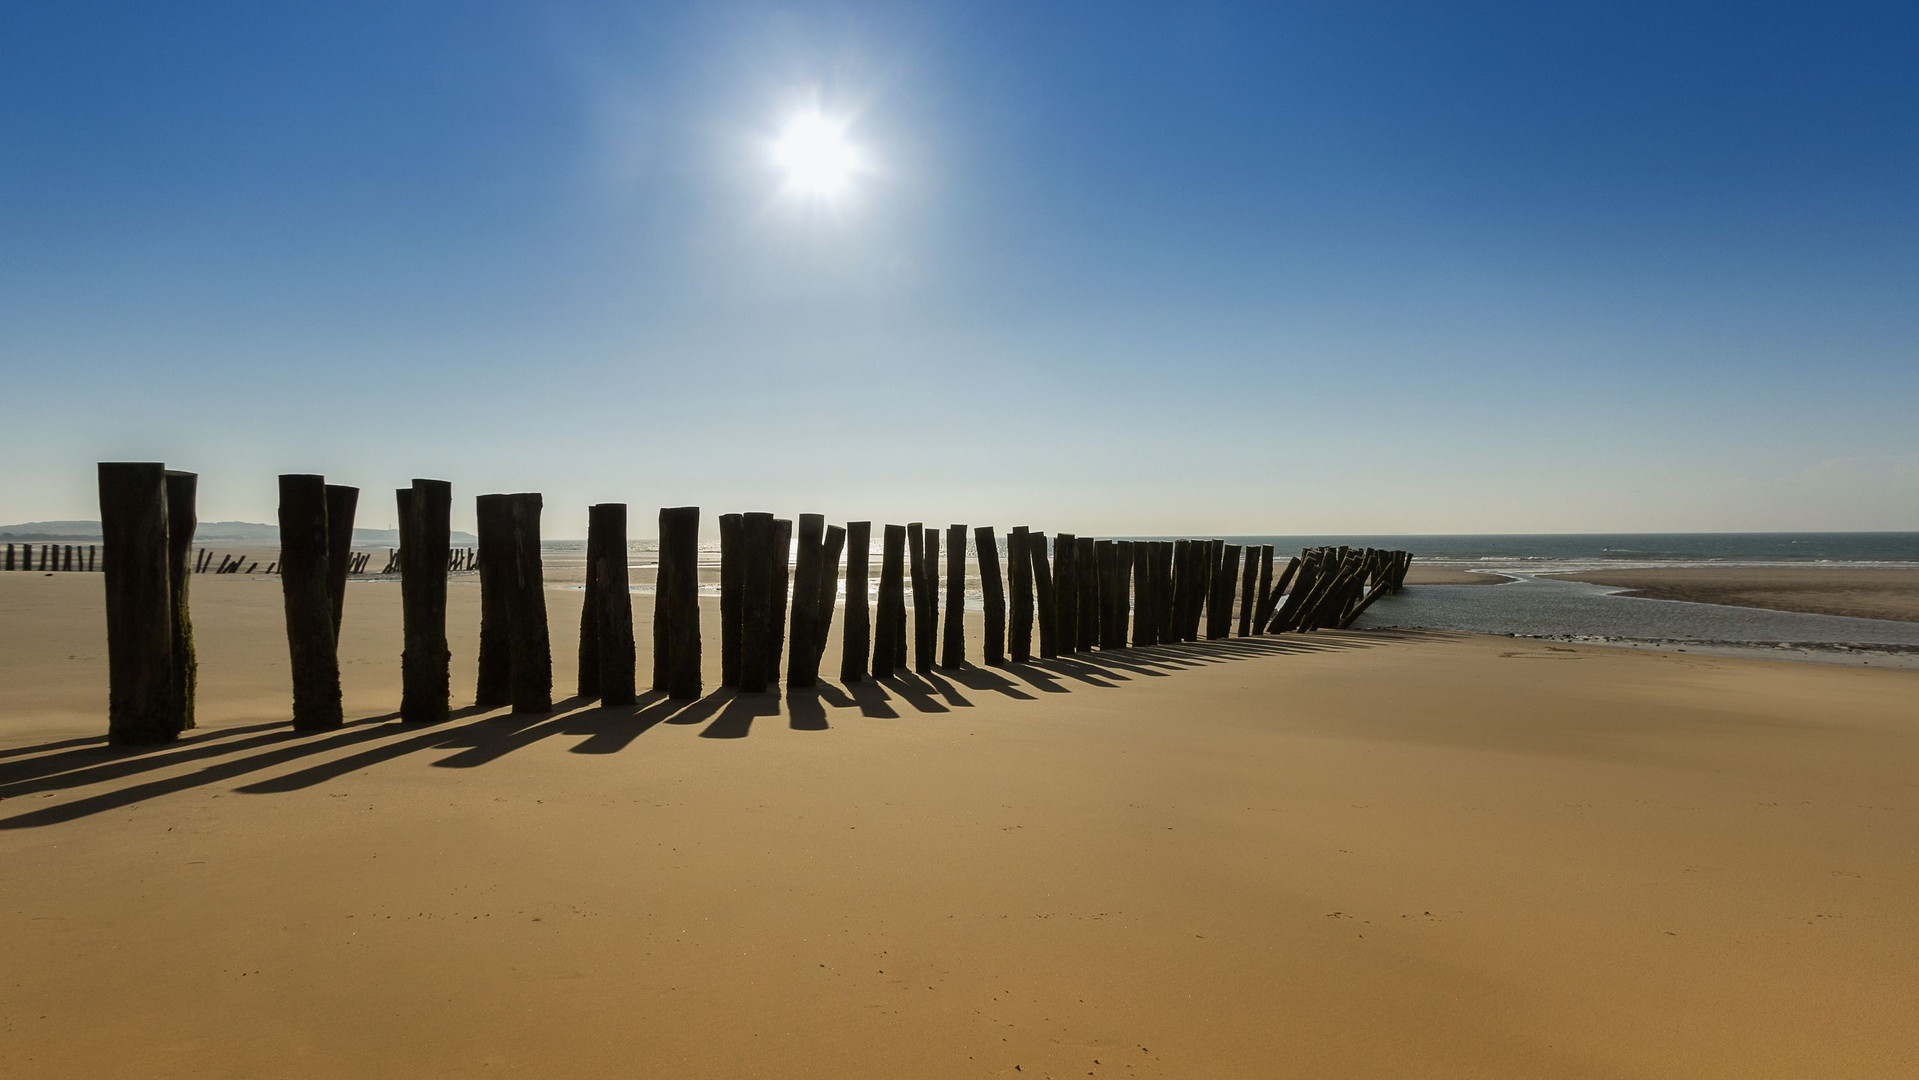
x=815 y=155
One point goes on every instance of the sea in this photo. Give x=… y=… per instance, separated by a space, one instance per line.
x=1532 y=606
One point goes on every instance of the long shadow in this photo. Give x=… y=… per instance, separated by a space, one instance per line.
x=735 y=721
x=103 y=761
x=868 y=696
x=805 y=710
x=989 y=679
x=914 y=691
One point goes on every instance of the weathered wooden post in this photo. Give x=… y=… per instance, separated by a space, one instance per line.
x=341 y=504
x=182 y=519
x=1224 y=582
x=1143 y=594
x=992 y=595
x=732 y=583
x=926 y=645
x=425 y=514
x=1019 y=607
x=306 y=585
x=891 y=605
x=756 y=602
x=586 y=683
x=829 y=591
x=9 y=556
x=1086 y=568
x=493 y=517
x=676 y=605
x=614 y=629
x=782 y=582
x=857 y=638
x=1065 y=571
x=1043 y=588
x=801 y=664
x=923 y=610
x=529 y=646
x=1105 y=566
x=1247 y=584
x=141 y=705
x=1260 y=597
x=1182 y=586
x=1119 y=594
x=953 y=635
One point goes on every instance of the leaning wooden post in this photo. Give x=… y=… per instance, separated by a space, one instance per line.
x=1228 y=577
x=1065 y=571
x=1263 y=590
x=953 y=635
x=1043 y=587
x=529 y=646
x=586 y=682
x=182 y=519
x=341 y=503
x=829 y=592
x=425 y=513
x=614 y=628
x=305 y=584
x=756 y=602
x=857 y=638
x=1019 y=608
x=801 y=669
x=892 y=601
x=992 y=594
x=493 y=517
x=676 y=605
x=732 y=583
x=1247 y=584
x=140 y=672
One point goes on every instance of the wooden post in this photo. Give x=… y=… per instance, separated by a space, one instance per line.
x=782 y=581
x=1118 y=586
x=732 y=588
x=1086 y=564
x=1043 y=588
x=925 y=615
x=140 y=673
x=1143 y=594
x=1019 y=575
x=757 y=667
x=953 y=651
x=801 y=666
x=829 y=592
x=425 y=512
x=306 y=585
x=613 y=629
x=493 y=516
x=1263 y=590
x=926 y=645
x=1227 y=578
x=341 y=503
x=1247 y=596
x=1065 y=594
x=586 y=682
x=992 y=595
x=892 y=601
x=857 y=638
x=182 y=519
x=1182 y=586
x=676 y=605
x=529 y=646
x=9 y=556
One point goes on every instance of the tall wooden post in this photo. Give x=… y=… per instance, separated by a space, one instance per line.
x=1048 y=594
x=1143 y=594
x=992 y=595
x=587 y=677
x=141 y=705
x=782 y=582
x=1247 y=595
x=1086 y=559
x=1263 y=590
x=1065 y=594
x=306 y=587
x=529 y=646
x=1116 y=585
x=801 y=665
x=829 y=591
x=732 y=588
x=425 y=513
x=182 y=519
x=1182 y=586
x=953 y=635
x=926 y=645
x=613 y=626
x=1224 y=583
x=341 y=503
x=676 y=607
x=493 y=517
x=1019 y=575
x=757 y=667
x=925 y=609
x=857 y=638
x=891 y=602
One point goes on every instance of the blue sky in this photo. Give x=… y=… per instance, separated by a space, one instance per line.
x=1289 y=268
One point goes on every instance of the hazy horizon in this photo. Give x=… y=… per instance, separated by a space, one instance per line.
x=1230 y=269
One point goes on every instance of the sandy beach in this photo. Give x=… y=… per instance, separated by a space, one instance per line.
x=1340 y=855
x=1838 y=590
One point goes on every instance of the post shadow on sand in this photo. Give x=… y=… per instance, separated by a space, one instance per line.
x=479 y=737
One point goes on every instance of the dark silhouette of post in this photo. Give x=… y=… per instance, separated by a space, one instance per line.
x=529 y=648
x=1019 y=608
x=757 y=666
x=732 y=590
x=1247 y=585
x=1166 y=589
x=953 y=635
x=1143 y=594
x=992 y=595
x=1044 y=589
x=1256 y=597
x=1223 y=582
x=341 y=503
x=586 y=681
x=801 y=664
x=1115 y=583
x=829 y=593
x=676 y=605
x=920 y=542
x=306 y=587
x=857 y=638
x=493 y=517
x=891 y=606
x=425 y=547
x=141 y=680
x=613 y=615
x=182 y=519
x=1065 y=594
x=1086 y=564
x=782 y=571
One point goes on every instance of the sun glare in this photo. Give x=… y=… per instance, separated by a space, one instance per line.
x=813 y=151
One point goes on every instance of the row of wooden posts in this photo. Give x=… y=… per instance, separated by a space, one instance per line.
x=62 y=558
x=1078 y=593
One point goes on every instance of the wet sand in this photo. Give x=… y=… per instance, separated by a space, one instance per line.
x=1838 y=590
x=1338 y=855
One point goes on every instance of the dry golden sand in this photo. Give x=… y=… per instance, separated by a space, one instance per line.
x=1834 y=590
x=1349 y=855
